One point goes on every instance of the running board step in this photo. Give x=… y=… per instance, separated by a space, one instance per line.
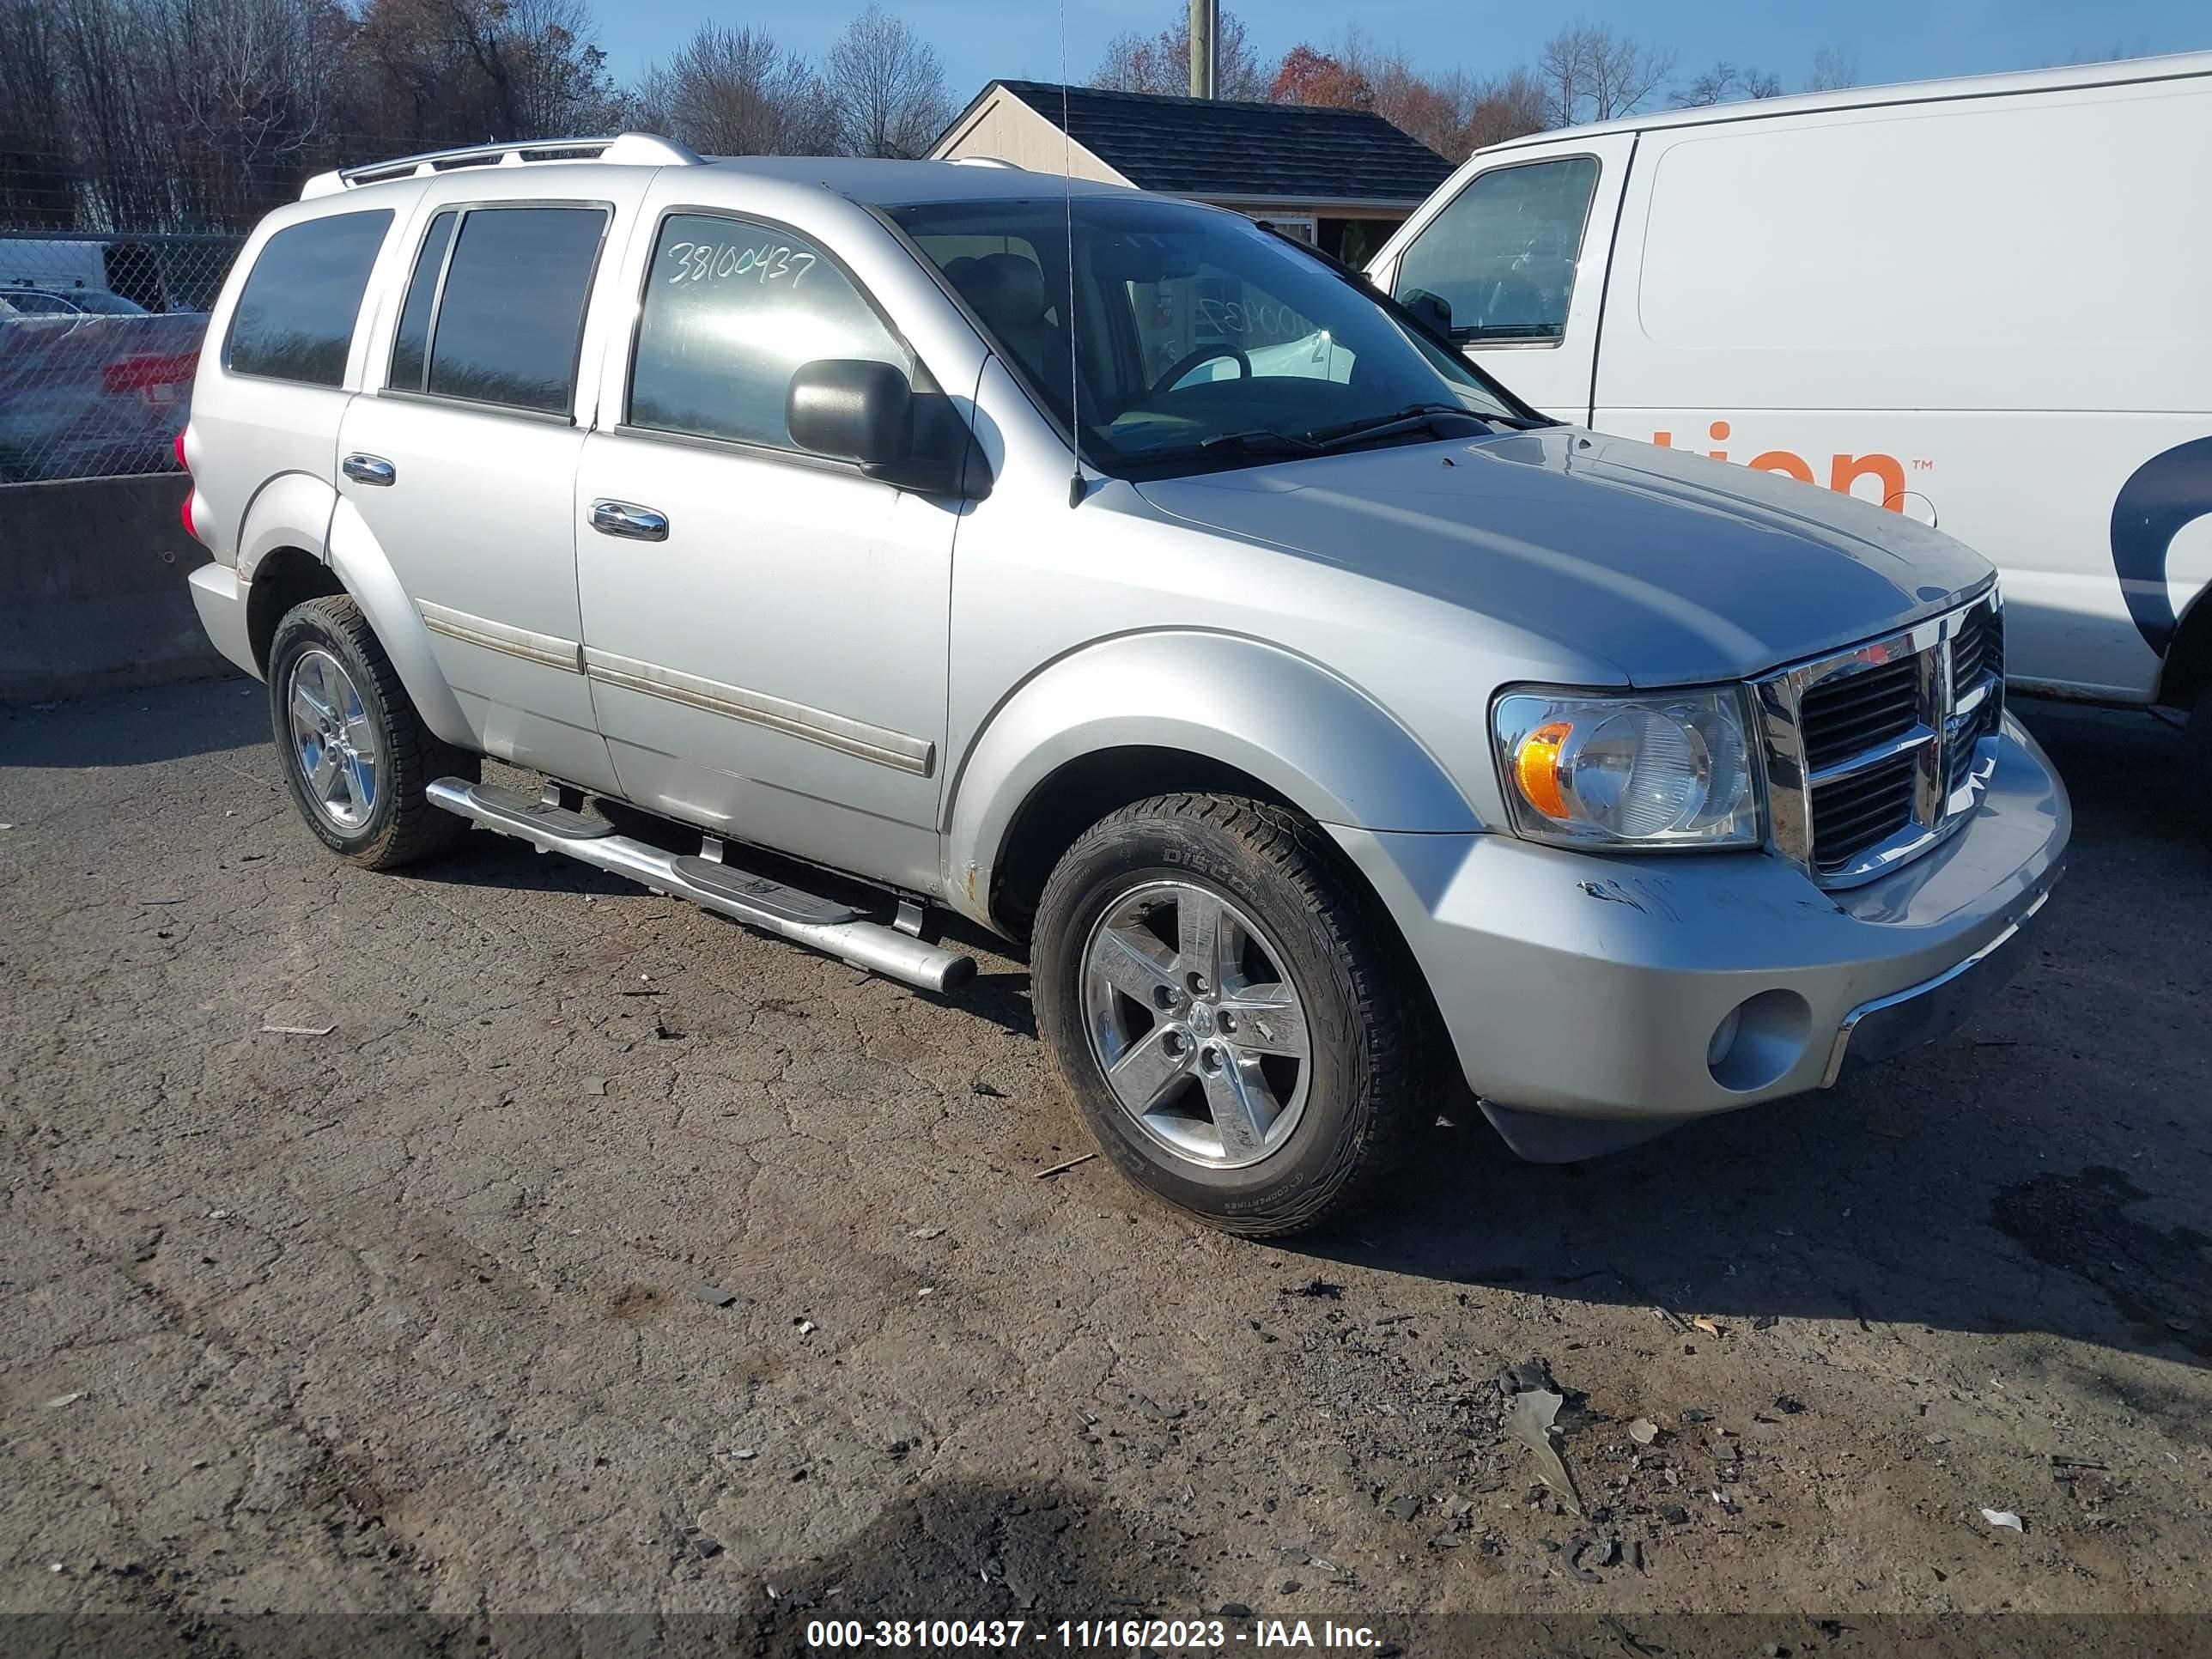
x=527 y=815
x=742 y=887
x=803 y=918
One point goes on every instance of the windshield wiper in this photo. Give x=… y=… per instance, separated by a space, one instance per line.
x=1412 y=418
x=1258 y=442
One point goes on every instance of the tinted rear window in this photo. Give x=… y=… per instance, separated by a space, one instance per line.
x=414 y=334
x=511 y=317
x=294 y=320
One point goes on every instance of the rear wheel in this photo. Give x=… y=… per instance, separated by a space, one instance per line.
x=356 y=756
x=1236 y=1019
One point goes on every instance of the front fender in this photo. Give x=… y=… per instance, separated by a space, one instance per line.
x=368 y=577
x=1313 y=738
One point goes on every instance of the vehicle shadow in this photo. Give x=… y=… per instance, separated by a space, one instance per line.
x=135 y=728
x=2043 y=1169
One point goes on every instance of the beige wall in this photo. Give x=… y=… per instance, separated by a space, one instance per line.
x=1008 y=130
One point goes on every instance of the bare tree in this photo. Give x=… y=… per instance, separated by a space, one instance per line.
x=1161 y=62
x=1508 y=105
x=256 y=85
x=37 y=181
x=735 y=92
x=1725 y=83
x=1591 y=74
x=887 y=87
x=462 y=71
x=105 y=49
x=1833 y=68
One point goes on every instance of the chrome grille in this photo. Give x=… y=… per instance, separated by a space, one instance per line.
x=1854 y=712
x=1874 y=754
x=1859 y=812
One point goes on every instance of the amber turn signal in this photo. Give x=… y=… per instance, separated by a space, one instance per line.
x=1537 y=767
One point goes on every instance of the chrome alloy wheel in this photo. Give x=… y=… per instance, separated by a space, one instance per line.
x=333 y=741
x=1194 y=1020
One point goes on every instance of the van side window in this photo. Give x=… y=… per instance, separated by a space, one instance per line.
x=732 y=310
x=1503 y=254
x=509 y=315
x=295 y=315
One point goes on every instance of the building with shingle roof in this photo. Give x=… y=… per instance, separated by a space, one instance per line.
x=1340 y=179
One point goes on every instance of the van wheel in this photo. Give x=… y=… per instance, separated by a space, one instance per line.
x=356 y=755
x=2198 y=739
x=1232 y=1013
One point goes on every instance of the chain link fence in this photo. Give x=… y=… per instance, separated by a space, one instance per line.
x=100 y=337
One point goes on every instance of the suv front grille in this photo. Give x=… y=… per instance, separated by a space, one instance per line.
x=1875 y=754
x=1857 y=711
x=1860 y=811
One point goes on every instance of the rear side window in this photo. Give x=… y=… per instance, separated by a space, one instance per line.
x=732 y=310
x=409 y=346
x=1503 y=254
x=498 y=317
x=294 y=319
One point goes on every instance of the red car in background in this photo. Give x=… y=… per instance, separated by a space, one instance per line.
x=92 y=385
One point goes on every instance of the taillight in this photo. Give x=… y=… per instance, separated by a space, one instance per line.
x=185 y=512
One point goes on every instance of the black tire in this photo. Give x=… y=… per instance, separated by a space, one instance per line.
x=400 y=826
x=1371 y=1023
x=2197 y=748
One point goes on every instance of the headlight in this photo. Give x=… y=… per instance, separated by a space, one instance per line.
x=1669 y=768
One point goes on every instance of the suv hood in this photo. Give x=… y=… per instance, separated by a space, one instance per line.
x=1674 y=569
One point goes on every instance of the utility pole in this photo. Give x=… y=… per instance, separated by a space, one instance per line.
x=1204 y=31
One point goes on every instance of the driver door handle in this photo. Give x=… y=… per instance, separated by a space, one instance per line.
x=367 y=468
x=637 y=524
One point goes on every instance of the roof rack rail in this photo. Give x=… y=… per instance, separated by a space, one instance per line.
x=625 y=149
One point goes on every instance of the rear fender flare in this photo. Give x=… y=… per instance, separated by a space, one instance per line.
x=291 y=510
x=1313 y=738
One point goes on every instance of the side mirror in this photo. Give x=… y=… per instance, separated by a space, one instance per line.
x=850 y=409
x=853 y=410
x=1431 y=308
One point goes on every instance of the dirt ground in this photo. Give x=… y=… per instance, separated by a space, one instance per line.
x=602 y=1257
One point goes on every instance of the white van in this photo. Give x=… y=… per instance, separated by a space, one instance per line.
x=1986 y=303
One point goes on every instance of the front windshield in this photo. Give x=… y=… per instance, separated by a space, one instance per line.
x=1199 y=339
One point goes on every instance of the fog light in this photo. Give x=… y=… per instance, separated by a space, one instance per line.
x=1723 y=1037
x=1759 y=1041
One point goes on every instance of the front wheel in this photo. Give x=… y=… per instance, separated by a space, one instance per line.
x=356 y=755
x=1235 y=1017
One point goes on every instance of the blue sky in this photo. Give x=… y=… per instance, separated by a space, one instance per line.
x=1893 y=40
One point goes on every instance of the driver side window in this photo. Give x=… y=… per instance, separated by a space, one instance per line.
x=1503 y=254
x=732 y=309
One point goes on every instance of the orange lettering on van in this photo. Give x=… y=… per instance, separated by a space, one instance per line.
x=1849 y=469
x=1844 y=471
x=1781 y=460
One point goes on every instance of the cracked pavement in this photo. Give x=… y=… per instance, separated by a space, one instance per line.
x=605 y=1256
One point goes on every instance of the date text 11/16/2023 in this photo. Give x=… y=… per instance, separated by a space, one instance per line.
x=1128 y=1634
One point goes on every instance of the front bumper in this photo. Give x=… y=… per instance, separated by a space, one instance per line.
x=1584 y=987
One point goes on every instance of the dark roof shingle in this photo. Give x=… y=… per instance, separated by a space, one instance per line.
x=1212 y=147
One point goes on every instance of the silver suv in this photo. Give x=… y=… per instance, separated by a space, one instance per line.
x=1139 y=586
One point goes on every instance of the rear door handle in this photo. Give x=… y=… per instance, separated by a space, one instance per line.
x=367 y=468
x=638 y=524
